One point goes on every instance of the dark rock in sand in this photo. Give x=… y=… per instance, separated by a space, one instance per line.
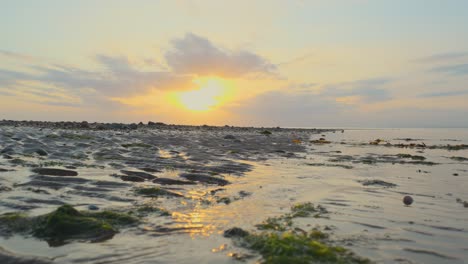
x=140 y=174
x=8 y=150
x=378 y=182
x=204 y=178
x=152 y=170
x=229 y=137
x=167 y=181
x=93 y=207
x=54 y=172
x=235 y=232
x=84 y=124
x=131 y=178
x=66 y=179
x=41 y=152
x=5 y=189
x=407 y=200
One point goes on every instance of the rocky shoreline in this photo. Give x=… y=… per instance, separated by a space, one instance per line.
x=85 y=125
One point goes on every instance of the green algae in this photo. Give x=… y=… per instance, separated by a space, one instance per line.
x=279 y=241
x=148 y=209
x=265 y=132
x=13 y=222
x=291 y=247
x=307 y=209
x=156 y=192
x=281 y=223
x=67 y=223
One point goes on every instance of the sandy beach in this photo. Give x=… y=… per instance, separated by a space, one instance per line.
x=186 y=186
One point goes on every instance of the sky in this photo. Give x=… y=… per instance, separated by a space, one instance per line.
x=315 y=63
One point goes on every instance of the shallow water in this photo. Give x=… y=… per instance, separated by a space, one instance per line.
x=268 y=174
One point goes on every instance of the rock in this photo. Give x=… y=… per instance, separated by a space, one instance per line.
x=204 y=178
x=407 y=200
x=133 y=126
x=131 y=178
x=8 y=150
x=41 y=152
x=167 y=181
x=93 y=207
x=235 y=232
x=84 y=124
x=140 y=174
x=229 y=137
x=54 y=172
x=148 y=169
x=378 y=182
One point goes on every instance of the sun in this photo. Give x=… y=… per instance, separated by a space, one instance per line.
x=212 y=92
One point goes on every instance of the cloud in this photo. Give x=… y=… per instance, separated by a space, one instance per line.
x=455 y=69
x=442 y=57
x=193 y=54
x=118 y=77
x=369 y=90
x=444 y=94
x=288 y=109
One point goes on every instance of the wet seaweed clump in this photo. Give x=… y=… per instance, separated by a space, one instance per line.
x=320 y=141
x=409 y=156
x=67 y=223
x=458 y=158
x=265 y=132
x=285 y=221
x=148 y=209
x=376 y=142
x=293 y=247
x=377 y=183
x=281 y=242
x=464 y=203
x=156 y=192
x=307 y=209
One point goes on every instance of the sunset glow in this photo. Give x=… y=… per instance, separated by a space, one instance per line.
x=212 y=92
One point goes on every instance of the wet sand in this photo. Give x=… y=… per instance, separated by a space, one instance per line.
x=223 y=177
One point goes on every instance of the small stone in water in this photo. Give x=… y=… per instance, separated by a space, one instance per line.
x=93 y=207
x=407 y=200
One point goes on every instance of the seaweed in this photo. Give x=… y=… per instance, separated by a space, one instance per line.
x=148 y=209
x=67 y=223
x=281 y=242
x=409 y=156
x=156 y=192
x=458 y=158
x=265 y=132
x=292 y=247
x=330 y=165
x=307 y=209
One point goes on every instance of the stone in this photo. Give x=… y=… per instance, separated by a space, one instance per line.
x=54 y=172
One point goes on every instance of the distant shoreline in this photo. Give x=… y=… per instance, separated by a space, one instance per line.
x=84 y=125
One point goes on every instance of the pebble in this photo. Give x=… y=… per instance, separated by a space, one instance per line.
x=93 y=207
x=407 y=200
